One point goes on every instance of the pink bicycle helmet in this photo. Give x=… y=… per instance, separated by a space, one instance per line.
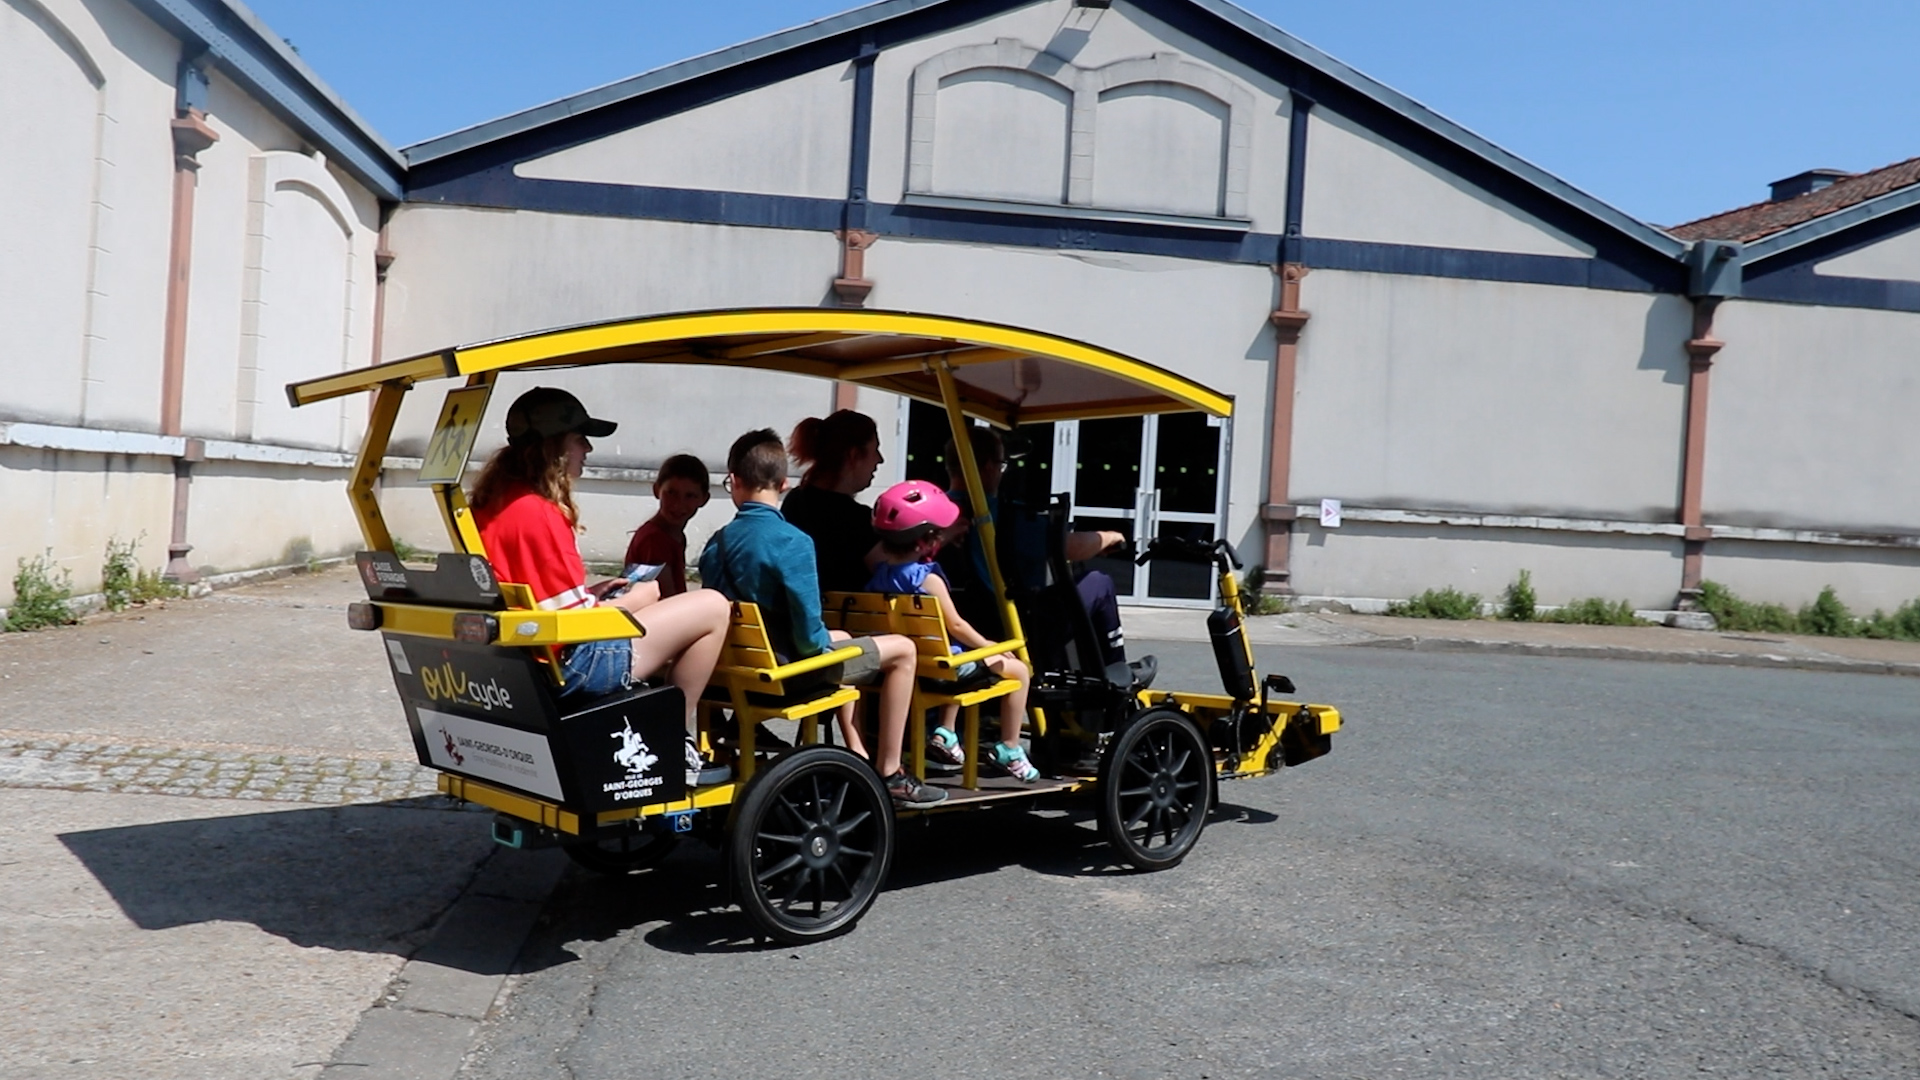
x=913 y=507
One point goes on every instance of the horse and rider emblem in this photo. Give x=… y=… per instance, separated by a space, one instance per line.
x=633 y=755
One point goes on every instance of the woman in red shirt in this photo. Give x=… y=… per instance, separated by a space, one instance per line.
x=523 y=505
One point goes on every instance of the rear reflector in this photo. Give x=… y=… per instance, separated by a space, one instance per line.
x=475 y=628
x=363 y=616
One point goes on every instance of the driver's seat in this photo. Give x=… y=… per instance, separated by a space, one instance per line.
x=1060 y=634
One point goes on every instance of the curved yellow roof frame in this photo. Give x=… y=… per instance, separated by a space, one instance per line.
x=1000 y=373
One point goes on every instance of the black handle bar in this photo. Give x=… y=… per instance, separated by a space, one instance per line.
x=1184 y=549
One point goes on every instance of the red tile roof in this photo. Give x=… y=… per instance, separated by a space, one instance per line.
x=1750 y=223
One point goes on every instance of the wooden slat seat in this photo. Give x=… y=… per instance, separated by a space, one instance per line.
x=751 y=681
x=920 y=619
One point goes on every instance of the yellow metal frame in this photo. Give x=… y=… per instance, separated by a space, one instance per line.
x=923 y=621
x=931 y=351
x=781 y=339
x=682 y=339
x=741 y=677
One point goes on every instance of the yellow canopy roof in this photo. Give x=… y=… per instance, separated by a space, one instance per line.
x=1002 y=374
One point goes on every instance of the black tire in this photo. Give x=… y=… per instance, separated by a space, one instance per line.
x=812 y=842
x=624 y=852
x=1156 y=789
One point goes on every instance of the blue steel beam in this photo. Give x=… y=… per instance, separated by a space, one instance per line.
x=245 y=50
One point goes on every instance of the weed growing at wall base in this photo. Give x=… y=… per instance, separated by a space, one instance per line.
x=1518 y=604
x=40 y=595
x=1447 y=603
x=1827 y=616
x=1593 y=611
x=123 y=582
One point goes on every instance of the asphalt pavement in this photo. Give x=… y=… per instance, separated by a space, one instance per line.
x=222 y=862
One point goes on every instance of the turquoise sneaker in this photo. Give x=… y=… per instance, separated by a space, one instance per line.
x=1014 y=760
x=943 y=749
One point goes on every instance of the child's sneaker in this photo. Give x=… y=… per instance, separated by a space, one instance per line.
x=1014 y=760
x=908 y=793
x=943 y=749
x=699 y=773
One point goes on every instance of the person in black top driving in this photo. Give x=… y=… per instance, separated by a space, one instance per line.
x=841 y=453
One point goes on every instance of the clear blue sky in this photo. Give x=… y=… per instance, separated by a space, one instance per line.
x=1669 y=109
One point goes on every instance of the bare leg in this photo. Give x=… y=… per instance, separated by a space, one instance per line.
x=897 y=659
x=849 y=730
x=686 y=631
x=1013 y=707
x=641 y=595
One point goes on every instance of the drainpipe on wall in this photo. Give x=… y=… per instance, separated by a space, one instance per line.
x=1278 y=514
x=191 y=134
x=382 y=260
x=851 y=288
x=1714 y=274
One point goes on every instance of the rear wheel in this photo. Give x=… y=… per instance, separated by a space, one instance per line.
x=1156 y=789
x=812 y=843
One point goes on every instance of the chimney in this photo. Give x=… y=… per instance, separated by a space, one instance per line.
x=1805 y=183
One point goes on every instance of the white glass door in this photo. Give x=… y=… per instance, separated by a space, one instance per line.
x=1145 y=477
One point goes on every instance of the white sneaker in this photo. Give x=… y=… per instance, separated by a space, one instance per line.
x=699 y=772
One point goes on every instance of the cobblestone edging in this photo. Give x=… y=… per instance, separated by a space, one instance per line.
x=207 y=773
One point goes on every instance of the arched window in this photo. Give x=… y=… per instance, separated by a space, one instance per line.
x=52 y=126
x=1159 y=133
x=1161 y=146
x=1003 y=135
x=299 y=298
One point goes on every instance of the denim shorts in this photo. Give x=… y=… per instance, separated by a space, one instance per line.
x=594 y=668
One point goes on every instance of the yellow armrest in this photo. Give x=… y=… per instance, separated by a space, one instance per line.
x=958 y=659
x=517 y=627
x=810 y=664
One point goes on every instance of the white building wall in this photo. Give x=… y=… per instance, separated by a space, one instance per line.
x=1433 y=393
x=1865 y=579
x=463 y=275
x=1810 y=421
x=57 y=97
x=1361 y=187
x=1896 y=258
x=77 y=256
x=1126 y=123
x=791 y=138
x=1379 y=561
x=122 y=368
x=84 y=268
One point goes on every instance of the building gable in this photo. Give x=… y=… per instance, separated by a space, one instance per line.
x=1161 y=127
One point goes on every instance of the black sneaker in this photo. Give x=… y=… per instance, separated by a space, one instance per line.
x=908 y=793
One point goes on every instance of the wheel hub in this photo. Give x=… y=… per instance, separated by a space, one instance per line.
x=1162 y=789
x=819 y=847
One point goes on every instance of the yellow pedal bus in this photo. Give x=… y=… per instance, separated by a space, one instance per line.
x=808 y=830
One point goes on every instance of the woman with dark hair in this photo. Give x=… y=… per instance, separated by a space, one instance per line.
x=523 y=506
x=841 y=453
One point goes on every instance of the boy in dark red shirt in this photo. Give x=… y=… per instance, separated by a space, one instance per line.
x=682 y=489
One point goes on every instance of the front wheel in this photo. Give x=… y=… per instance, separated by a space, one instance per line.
x=812 y=843
x=1156 y=789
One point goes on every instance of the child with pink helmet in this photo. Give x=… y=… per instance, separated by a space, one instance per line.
x=911 y=518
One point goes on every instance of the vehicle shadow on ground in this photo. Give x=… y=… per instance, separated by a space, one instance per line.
x=689 y=897
x=370 y=877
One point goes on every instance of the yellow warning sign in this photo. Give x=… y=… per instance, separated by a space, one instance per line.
x=454 y=435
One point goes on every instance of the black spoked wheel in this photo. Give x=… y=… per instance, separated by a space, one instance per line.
x=1156 y=789
x=623 y=852
x=812 y=842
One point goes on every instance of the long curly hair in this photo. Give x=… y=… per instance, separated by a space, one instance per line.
x=824 y=446
x=538 y=464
